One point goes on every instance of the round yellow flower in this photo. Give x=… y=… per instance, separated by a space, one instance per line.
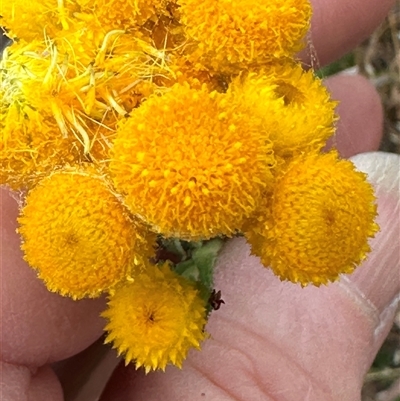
x=156 y=318
x=295 y=106
x=190 y=165
x=318 y=220
x=77 y=234
x=242 y=32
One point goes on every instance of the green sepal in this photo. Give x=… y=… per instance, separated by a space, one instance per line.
x=200 y=268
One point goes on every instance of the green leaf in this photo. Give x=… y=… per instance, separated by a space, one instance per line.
x=347 y=61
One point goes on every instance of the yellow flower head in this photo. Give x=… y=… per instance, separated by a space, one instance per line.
x=295 y=107
x=31 y=146
x=156 y=318
x=77 y=234
x=29 y=20
x=31 y=141
x=79 y=77
x=190 y=165
x=55 y=109
x=319 y=219
x=241 y=32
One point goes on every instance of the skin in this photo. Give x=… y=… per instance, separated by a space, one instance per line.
x=272 y=340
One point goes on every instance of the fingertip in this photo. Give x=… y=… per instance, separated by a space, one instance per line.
x=19 y=383
x=339 y=26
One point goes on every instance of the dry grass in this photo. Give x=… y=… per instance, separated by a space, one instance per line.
x=378 y=58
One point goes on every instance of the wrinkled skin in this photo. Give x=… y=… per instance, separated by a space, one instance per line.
x=271 y=340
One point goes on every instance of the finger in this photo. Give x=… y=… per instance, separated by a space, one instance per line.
x=359 y=128
x=338 y=26
x=38 y=327
x=278 y=341
x=381 y=286
x=19 y=383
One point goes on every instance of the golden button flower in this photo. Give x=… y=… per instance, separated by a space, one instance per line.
x=77 y=234
x=318 y=220
x=294 y=105
x=179 y=164
x=236 y=34
x=156 y=318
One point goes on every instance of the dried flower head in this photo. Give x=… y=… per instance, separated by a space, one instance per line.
x=57 y=110
x=31 y=146
x=320 y=217
x=32 y=143
x=77 y=234
x=57 y=77
x=235 y=34
x=156 y=318
x=190 y=165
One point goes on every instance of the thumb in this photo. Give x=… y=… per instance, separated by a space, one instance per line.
x=274 y=340
x=379 y=282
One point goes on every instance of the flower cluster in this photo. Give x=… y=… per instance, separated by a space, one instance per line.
x=143 y=133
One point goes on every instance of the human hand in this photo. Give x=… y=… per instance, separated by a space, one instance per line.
x=272 y=340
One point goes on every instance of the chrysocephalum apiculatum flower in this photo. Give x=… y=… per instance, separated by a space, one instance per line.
x=55 y=110
x=232 y=35
x=295 y=107
x=156 y=318
x=31 y=146
x=318 y=220
x=50 y=76
x=77 y=234
x=30 y=20
x=190 y=164
x=35 y=138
